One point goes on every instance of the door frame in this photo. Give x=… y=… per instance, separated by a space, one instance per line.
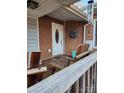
x=62 y=37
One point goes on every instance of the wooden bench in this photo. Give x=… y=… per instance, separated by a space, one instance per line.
x=56 y=64
x=82 y=51
x=79 y=56
x=34 y=73
x=36 y=70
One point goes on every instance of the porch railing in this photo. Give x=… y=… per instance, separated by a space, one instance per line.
x=79 y=77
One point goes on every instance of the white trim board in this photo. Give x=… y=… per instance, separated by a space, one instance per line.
x=38 y=36
x=94 y=31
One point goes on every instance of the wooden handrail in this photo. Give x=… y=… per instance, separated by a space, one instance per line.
x=64 y=79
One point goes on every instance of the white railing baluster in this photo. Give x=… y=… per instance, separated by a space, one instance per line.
x=84 y=83
x=75 y=87
x=95 y=78
x=92 y=80
x=68 y=91
x=81 y=81
x=88 y=81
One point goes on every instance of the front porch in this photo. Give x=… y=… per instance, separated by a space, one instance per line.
x=59 y=51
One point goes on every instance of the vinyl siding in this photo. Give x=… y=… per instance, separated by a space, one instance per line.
x=32 y=35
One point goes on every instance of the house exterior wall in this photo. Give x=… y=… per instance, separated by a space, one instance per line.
x=95 y=16
x=71 y=44
x=89 y=34
x=45 y=35
x=89 y=30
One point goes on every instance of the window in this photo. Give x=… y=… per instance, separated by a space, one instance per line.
x=57 y=36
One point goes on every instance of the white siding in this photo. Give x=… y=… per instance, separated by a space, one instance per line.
x=32 y=35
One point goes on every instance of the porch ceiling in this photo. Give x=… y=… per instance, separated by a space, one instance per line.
x=66 y=14
x=47 y=6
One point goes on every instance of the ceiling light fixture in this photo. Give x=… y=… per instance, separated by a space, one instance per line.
x=32 y=4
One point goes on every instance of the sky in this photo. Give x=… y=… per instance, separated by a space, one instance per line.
x=82 y=3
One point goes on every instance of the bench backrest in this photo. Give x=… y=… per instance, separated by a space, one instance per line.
x=82 y=48
x=35 y=59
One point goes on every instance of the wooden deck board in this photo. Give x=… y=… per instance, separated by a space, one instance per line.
x=56 y=65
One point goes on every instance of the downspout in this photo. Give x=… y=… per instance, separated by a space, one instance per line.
x=84 y=41
x=91 y=22
x=64 y=51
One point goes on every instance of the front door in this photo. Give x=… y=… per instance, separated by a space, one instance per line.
x=57 y=39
